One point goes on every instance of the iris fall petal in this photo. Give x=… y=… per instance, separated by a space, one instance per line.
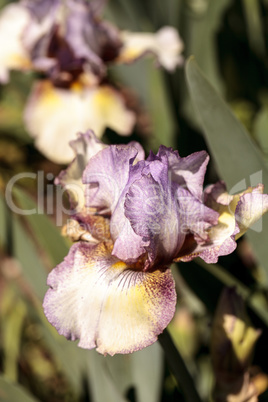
x=70 y=111
x=101 y=301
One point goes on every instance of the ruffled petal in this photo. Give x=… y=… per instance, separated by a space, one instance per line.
x=166 y=45
x=163 y=213
x=98 y=299
x=188 y=172
x=236 y=214
x=153 y=214
x=13 y=55
x=85 y=147
x=195 y=217
x=250 y=208
x=91 y=39
x=107 y=174
x=128 y=246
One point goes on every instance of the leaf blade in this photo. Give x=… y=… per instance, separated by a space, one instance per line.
x=239 y=162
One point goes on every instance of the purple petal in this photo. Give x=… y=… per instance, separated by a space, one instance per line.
x=210 y=254
x=91 y=39
x=217 y=194
x=107 y=174
x=195 y=217
x=153 y=214
x=128 y=246
x=101 y=301
x=188 y=172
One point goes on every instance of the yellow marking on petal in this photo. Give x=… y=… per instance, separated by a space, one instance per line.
x=130 y=54
x=104 y=98
x=119 y=265
x=99 y=300
x=49 y=97
x=76 y=86
x=226 y=218
x=16 y=60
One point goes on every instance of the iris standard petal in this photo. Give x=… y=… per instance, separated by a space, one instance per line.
x=91 y=39
x=96 y=298
x=188 y=172
x=107 y=174
x=153 y=213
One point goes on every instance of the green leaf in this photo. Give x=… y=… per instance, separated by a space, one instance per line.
x=149 y=85
x=260 y=130
x=10 y=392
x=12 y=318
x=110 y=378
x=24 y=250
x=239 y=162
x=148 y=368
x=201 y=23
x=44 y=230
x=70 y=359
x=204 y=18
x=252 y=9
x=102 y=386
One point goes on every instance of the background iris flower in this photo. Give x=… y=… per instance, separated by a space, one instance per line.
x=114 y=291
x=73 y=47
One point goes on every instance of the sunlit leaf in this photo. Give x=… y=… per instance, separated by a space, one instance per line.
x=111 y=378
x=239 y=162
x=147 y=368
x=102 y=386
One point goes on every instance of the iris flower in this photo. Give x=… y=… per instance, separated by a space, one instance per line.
x=72 y=47
x=131 y=218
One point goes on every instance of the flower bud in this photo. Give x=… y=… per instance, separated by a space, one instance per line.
x=233 y=340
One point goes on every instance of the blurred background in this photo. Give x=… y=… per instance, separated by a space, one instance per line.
x=229 y=40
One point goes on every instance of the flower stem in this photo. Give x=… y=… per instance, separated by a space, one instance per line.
x=178 y=368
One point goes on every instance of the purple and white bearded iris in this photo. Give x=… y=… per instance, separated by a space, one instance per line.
x=133 y=217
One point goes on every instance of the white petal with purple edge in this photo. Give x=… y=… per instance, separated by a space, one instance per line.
x=101 y=301
x=85 y=147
